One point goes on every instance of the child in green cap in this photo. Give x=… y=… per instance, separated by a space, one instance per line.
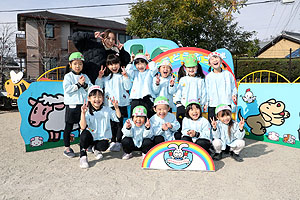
x=137 y=133
x=164 y=124
x=191 y=86
x=75 y=85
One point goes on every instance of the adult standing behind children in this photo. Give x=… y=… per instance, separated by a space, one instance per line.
x=95 y=53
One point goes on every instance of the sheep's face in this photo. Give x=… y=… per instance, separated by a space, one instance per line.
x=39 y=114
x=161 y=110
x=96 y=100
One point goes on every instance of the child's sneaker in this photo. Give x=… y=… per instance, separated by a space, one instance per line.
x=218 y=156
x=111 y=146
x=236 y=157
x=127 y=156
x=143 y=155
x=69 y=153
x=116 y=147
x=98 y=154
x=84 y=162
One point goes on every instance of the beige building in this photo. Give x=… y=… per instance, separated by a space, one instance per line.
x=46 y=42
x=281 y=46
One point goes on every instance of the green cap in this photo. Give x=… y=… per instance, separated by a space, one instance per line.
x=161 y=100
x=222 y=107
x=190 y=61
x=139 y=111
x=191 y=101
x=76 y=56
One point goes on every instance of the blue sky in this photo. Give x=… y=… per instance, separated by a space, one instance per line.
x=266 y=19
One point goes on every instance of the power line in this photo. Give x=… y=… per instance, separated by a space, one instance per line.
x=66 y=8
x=261 y=2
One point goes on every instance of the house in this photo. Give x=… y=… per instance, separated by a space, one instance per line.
x=281 y=46
x=46 y=42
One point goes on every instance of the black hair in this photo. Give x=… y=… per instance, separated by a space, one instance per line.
x=189 y=107
x=182 y=72
x=90 y=106
x=223 y=113
x=112 y=59
x=140 y=60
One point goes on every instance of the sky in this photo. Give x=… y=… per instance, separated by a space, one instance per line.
x=268 y=19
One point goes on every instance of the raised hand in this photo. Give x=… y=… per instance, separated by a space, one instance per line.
x=147 y=124
x=172 y=81
x=81 y=80
x=84 y=107
x=124 y=73
x=114 y=102
x=191 y=133
x=101 y=72
x=119 y=45
x=213 y=123
x=128 y=124
x=98 y=34
x=164 y=127
x=147 y=55
x=157 y=81
x=242 y=123
x=132 y=56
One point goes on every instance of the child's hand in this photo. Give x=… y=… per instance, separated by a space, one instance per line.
x=213 y=123
x=242 y=123
x=147 y=55
x=119 y=45
x=84 y=107
x=101 y=72
x=172 y=81
x=147 y=125
x=81 y=80
x=157 y=81
x=128 y=124
x=205 y=108
x=114 y=102
x=132 y=57
x=234 y=98
x=124 y=73
x=164 y=127
x=169 y=125
x=98 y=35
x=191 y=133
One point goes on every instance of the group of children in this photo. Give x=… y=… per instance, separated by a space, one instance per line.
x=100 y=109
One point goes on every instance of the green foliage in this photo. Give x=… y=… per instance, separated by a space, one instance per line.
x=196 y=23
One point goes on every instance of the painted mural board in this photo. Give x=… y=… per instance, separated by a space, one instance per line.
x=178 y=155
x=271 y=112
x=43 y=116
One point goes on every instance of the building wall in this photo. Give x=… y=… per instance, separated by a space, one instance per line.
x=280 y=50
x=32 y=66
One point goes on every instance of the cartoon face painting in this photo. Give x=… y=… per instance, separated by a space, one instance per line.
x=248 y=97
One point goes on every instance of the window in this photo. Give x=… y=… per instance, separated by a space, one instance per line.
x=49 y=63
x=49 y=31
x=123 y=38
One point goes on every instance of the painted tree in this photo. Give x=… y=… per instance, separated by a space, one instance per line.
x=196 y=23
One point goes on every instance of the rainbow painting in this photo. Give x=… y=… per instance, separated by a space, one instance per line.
x=178 y=155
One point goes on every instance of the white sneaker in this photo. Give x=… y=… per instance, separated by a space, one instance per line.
x=143 y=155
x=98 y=154
x=127 y=156
x=116 y=147
x=84 y=162
x=111 y=146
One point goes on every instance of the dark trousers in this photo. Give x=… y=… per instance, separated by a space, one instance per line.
x=116 y=127
x=86 y=140
x=128 y=145
x=180 y=114
x=211 y=113
x=204 y=143
x=158 y=139
x=72 y=117
x=146 y=101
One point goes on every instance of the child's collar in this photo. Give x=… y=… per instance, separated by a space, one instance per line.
x=75 y=72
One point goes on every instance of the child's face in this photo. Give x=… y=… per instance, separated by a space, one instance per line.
x=191 y=71
x=161 y=110
x=164 y=70
x=141 y=66
x=138 y=120
x=114 y=68
x=76 y=66
x=110 y=41
x=96 y=100
x=225 y=118
x=215 y=62
x=194 y=112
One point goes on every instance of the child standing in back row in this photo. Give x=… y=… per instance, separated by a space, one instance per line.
x=220 y=85
x=75 y=85
x=116 y=85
